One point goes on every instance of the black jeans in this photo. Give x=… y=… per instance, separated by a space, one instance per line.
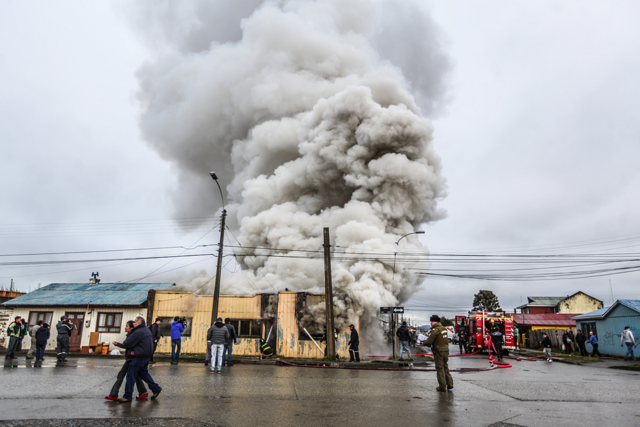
x=121 y=376
x=595 y=350
x=583 y=350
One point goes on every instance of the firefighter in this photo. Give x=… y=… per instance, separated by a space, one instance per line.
x=497 y=340
x=462 y=341
x=354 y=342
x=439 y=342
x=64 y=331
x=265 y=348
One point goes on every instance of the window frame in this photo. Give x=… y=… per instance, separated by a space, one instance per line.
x=107 y=326
x=44 y=319
x=254 y=326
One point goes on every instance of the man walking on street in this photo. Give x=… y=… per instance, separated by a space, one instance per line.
x=32 y=334
x=404 y=337
x=216 y=338
x=594 y=342
x=64 y=329
x=354 y=343
x=177 y=328
x=580 y=340
x=546 y=345
x=628 y=339
x=439 y=341
x=14 y=336
x=228 y=344
x=155 y=333
x=139 y=344
x=115 y=390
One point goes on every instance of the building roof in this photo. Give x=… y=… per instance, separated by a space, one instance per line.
x=100 y=294
x=542 y=302
x=633 y=304
x=546 y=319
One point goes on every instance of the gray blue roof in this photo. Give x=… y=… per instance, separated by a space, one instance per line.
x=633 y=304
x=103 y=294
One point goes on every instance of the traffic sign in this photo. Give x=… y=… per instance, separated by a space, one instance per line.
x=397 y=310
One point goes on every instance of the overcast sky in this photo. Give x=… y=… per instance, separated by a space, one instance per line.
x=539 y=139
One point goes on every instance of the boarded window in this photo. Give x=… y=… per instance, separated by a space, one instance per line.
x=109 y=322
x=45 y=316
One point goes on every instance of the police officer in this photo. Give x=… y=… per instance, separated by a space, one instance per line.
x=64 y=331
x=439 y=341
x=354 y=342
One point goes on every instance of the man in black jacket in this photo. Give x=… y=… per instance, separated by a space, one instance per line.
x=497 y=340
x=64 y=329
x=228 y=344
x=217 y=335
x=155 y=333
x=354 y=342
x=139 y=344
x=580 y=340
x=404 y=336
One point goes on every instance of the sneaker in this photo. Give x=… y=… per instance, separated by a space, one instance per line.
x=218 y=371
x=550 y=361
x=449 y=387
x=206 y=363
x=142 y=396
x=441 y=389
x=111 y=398
x=401 y=360
x=212 y=372
x=411 y=359
x=124 y=401
x=155 y=395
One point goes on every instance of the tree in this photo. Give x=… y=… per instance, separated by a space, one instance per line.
x=486 y=300
x=445 y=322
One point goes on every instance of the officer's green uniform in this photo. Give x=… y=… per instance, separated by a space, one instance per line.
x=438 y=339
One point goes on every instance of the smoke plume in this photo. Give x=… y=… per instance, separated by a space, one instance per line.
x=304 y=110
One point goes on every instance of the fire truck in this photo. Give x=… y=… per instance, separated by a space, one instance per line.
x=479 y=324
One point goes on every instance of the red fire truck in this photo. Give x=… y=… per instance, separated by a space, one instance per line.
x=479 y=325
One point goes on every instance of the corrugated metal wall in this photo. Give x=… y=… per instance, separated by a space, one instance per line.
x=288 y=344
x=609 y=330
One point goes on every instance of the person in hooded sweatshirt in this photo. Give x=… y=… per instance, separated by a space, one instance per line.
x=216 y=337
x=43 y=333
x=115 y=390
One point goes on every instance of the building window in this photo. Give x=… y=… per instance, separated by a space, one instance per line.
x=109 y=322
x=45 y=316
x=247 y=328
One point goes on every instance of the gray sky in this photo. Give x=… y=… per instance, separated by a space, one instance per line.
x=539 y=142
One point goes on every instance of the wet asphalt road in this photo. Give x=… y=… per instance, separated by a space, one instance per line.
x=529 y=394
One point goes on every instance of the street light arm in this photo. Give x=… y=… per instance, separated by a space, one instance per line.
x=215 y=178
x=415 y=232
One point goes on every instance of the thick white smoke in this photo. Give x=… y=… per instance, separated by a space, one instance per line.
x=310 y=127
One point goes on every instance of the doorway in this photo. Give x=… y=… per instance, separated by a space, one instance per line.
x=75 y=339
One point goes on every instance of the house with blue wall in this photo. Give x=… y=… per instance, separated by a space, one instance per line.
x=609 y=322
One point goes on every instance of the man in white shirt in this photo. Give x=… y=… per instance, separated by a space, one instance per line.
x=627 y=338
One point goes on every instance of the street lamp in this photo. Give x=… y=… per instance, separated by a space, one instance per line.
x=396 y=253
x=415 y=232
x=216 y=292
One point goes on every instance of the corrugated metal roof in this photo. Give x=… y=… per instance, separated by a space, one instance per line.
x=59 y=294
x=598 y=314
x=546 y=319
x=633 y=304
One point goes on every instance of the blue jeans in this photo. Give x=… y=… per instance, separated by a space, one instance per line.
x=629 y=350
x=405 y=345
x=139 y=368
x=216 y=356
x=175 y=355
x=40 y=351
x=228 y=349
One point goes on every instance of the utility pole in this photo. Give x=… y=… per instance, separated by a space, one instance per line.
x=216 y=292
x=328 y=296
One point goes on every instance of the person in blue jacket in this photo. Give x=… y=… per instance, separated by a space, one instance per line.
x=42 y=336
x=594 y=342
x=177 y=328
x=139 y=345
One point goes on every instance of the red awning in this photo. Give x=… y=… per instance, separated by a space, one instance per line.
x=546 y=319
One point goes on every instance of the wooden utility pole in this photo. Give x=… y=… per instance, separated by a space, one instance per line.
x=328 y=296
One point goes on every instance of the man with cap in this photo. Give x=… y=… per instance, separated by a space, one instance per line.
x=155 y=333
x=64 y=331
x=439 y=341
x=404 y=336
x=354 y=342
